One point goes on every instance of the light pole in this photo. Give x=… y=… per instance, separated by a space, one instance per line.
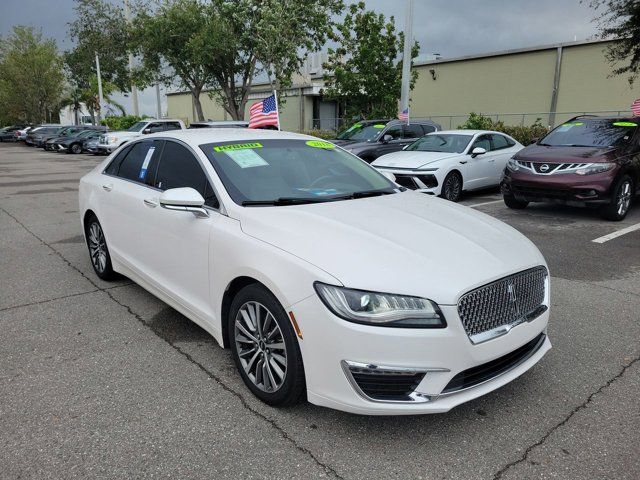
x=134 y=89
x=100 y=99
x=406 y=58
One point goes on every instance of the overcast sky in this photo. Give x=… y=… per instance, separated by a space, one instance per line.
x=449 y=27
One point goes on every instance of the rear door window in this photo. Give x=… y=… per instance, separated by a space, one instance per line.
x=136 y=164
x=172 y=126
x=413 y=131
x=499 y=141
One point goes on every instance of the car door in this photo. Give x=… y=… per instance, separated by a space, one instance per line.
x=173 y=246
x=502 y=148
x=396 y=143
x=481 y=167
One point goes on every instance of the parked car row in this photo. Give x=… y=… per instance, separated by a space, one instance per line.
x=586 y=161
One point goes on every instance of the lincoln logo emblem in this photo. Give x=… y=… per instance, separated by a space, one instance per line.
x=511 y=291
x=544 y=167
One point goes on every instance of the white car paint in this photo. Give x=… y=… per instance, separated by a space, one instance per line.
x=477 y=172
x=110 y=141
x=404 y=243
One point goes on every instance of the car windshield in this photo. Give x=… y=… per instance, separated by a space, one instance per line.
x=591 y=133
x=362 y=132
x=84 y=133
x=136 y=127
x=285 y=172
x=438 y=142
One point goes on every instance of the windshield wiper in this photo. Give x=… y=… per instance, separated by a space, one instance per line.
x=369 y=193
x=286 y=201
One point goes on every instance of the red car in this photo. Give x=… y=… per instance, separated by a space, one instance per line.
x=587 y=161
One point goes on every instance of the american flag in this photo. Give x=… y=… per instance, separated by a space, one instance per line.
x=403 y=114
x=635 y=108
x=264 y=113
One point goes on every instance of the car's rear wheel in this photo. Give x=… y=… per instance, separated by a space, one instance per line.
x=452 y=187
x=76 y=148
x=621 y=199
x=264 y=347
x=98 y=250
x=512 y=202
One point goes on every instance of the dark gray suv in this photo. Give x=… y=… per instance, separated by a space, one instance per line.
x=370 y=139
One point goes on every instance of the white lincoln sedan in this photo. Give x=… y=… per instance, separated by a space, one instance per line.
x=325 y=279
x=449 y=162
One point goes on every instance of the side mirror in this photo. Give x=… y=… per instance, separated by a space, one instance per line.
x=184 y=199
x=533 y=140
x=389 y=175
x=146 y=130
x=478 y=151
x=387 y=139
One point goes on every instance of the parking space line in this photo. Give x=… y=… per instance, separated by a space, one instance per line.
x=484 y=203
x=619 y=233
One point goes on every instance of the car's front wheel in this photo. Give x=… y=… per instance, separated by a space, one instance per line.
x=76 y=148
x=264 y=347
x=512 y=202
x=98 y=250
x=452 y=187
x=621 y=199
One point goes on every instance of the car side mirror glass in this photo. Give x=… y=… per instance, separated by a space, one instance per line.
x=146 y=130
x=533 y=140
x=184 y=199
x=387 y=138
x=477 y=151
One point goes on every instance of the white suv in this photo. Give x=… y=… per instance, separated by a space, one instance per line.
x=112 y=140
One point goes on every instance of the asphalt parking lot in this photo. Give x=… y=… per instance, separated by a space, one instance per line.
x=102 y=380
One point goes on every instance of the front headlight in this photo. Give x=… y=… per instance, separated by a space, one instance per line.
x=113 y=139
x=513 y=165
x=381 y=309
x=595 y=168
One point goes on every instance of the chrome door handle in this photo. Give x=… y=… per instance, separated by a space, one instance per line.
x=108 y=187
x=150 y=202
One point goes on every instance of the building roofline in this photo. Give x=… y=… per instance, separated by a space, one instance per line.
x=515 y=51
x=499 y=53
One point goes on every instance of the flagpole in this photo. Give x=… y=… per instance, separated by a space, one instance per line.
x=275 y=96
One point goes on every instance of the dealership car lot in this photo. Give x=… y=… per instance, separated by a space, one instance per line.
x=103 y=379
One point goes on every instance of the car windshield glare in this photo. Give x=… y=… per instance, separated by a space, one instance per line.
x=438 y=142
x=285 y=172
x=136 y=127
x=591 y=133
x=362 y=132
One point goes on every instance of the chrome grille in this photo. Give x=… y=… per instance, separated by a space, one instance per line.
x=102 y=139
x=502 y=304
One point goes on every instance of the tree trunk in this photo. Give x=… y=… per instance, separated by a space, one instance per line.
x=195 y=93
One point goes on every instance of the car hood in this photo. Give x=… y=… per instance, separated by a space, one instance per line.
x=405 y=243
x=122 y=133
x=404 y=159
x=547 y=154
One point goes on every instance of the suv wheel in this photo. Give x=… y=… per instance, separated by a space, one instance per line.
x=620 y=200
x=452 y=187
x=511 y=202
x=264 y=347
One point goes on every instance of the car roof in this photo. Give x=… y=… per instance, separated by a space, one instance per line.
x=465 y=131
x=201 y=136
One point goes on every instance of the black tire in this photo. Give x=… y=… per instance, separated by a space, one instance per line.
x=621 y=199
x=512 y=202
x=452 y=187
x=249 y=353
x=75 y=148
x=97 y=245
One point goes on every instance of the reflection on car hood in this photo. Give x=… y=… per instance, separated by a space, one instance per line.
x=543 y=153
x=413 y=159
x=406 y=243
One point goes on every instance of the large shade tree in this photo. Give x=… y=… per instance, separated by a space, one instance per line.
x=365 y=69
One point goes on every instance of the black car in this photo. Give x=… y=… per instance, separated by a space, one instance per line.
x=7 y=133
x=70 y=131
x=74 y=143
x=37 y=135
x=371 y=139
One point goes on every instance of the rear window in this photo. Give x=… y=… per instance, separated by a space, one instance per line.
x=591 y=133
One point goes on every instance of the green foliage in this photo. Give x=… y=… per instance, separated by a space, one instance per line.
x=621 y=20
x=522 y=133
x=121 y=123
x=367 y=77
x=31 y=78
x=316 y=132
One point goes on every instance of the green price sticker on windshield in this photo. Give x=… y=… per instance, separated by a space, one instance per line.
x=625 y=124
x=379 y=125
x=237 y=146
x=320 y=144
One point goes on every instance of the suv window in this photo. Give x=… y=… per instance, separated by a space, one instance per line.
x=135 y=164
x=428 y=128
x=482 y=142
x=172 y=126
x=413 y=131
x=179 y=168
x=500 y=141
x=154 y=127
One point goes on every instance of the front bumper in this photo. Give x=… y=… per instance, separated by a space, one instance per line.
x=568 y=189
x=107 y=147
x=420 y=180
x=329 y=343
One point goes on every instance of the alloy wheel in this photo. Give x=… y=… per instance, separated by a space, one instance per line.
x=75 y=148
x=261 y=347
x=97 y=247
x=624 y=197
x=452 y=187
